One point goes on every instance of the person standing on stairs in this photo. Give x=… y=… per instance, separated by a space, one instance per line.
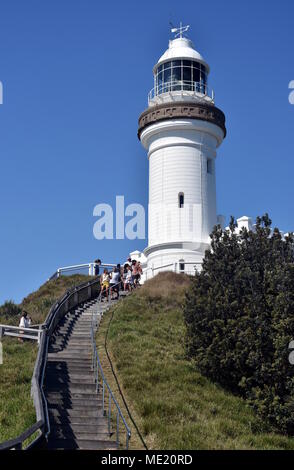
x=128 y=285
x=114 y=283
x=97 y=266
x=104 y=283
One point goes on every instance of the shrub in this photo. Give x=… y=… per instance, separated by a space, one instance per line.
x=9 y=309
x=239 y=313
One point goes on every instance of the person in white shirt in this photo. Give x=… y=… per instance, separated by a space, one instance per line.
x=23 y=323
x=114 y=283
x=129 y=279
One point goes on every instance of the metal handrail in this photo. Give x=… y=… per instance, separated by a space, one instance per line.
x=199 y=88
x=71 y=299
x=90 y=266
x=99 y=377
x=43 y=393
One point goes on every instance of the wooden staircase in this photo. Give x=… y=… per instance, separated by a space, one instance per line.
x=75 y=408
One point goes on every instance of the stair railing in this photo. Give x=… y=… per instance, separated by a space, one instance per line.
x=101 y=382
x=69 y=301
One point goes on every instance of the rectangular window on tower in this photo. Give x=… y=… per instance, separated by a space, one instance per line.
x=181 y=266
x=209 y=166
x=181 y=200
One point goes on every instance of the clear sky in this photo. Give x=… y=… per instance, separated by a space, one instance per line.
x=76 y=74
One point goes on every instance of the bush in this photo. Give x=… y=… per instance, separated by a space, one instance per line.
x=239 y=314
x=9 y=309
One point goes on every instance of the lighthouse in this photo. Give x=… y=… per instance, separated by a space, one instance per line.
x=181 y=130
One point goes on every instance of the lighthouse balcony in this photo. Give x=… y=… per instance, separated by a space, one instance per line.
x=180 y=91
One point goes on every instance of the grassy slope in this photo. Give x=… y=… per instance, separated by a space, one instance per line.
x=16 y=407
x=175 y=407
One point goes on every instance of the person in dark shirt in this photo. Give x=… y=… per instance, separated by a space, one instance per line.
x=97 y=266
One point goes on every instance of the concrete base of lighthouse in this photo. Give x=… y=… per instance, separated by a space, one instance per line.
x=181 y=257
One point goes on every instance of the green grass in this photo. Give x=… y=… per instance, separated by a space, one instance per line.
x=174 y=406
x=39 y=303
x=17 y=411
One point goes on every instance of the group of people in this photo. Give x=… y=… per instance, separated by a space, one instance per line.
x=126 y=277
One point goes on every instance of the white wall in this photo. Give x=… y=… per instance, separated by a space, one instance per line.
x=178 y=151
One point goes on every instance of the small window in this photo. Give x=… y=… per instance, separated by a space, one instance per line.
x=209 y=166
x=181 y=266
x=181 y=200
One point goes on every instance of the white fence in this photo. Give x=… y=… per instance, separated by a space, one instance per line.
x=86 y=268
x=33 y=333
x=189 y=268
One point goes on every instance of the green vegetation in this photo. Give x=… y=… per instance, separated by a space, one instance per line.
x=239 y=315
x=174 y=406
x=39 y=303
x=17 y=411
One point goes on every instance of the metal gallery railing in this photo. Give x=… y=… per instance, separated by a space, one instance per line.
x=200 y=89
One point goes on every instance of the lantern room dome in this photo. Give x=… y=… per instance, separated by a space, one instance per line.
x=181 y=48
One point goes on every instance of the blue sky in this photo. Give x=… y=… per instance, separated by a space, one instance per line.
x=76 y=74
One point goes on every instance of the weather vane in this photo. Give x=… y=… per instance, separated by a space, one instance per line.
x=179 y=31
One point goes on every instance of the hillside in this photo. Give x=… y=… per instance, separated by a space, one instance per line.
x=16 y=408
x=174 y=406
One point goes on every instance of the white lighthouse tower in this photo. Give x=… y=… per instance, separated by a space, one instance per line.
x=181 y=130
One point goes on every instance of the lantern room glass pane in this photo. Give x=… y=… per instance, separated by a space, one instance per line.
x=176 y=63
x=187 y=78
x=196 y=75
x=159 y=82
x=179 y=74
x=166 y=80
x=176 y=78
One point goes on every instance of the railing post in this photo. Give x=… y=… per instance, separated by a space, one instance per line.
x=109 y=412
x=39 y=335
x=58 y=273
x=92 y=354
x=97 y=378
x=117 y=429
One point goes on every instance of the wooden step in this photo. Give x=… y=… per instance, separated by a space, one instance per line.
x=83 y=445
x=92 y=421
x=77 y=413
x=73 y=388
x=84 y=433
